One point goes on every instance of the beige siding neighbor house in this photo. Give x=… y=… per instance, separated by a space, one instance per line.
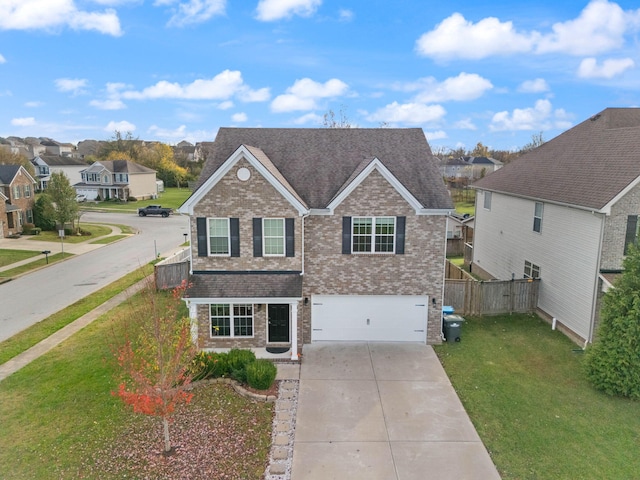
x=565 y=213
x=305 y=235
x=109 y=179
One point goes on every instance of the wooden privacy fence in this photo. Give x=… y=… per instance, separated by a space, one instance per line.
x=171 y=272
x=471 y=297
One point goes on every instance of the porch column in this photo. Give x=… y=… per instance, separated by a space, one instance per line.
x=193 y=320
x=294 y=331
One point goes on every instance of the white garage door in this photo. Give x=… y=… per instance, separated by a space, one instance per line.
x=379 y=318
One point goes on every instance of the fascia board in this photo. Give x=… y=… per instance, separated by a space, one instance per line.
x=376 y=164
x=607 y=208
x=207 y=300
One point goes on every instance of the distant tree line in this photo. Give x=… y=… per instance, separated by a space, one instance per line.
x=480 y=150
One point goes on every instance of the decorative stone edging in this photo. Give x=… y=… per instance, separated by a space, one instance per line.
x=283 y=433
x=237 y=386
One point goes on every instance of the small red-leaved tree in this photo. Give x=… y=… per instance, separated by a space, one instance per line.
x=155 y=362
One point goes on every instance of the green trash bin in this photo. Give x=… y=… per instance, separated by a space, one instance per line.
x=453 y=327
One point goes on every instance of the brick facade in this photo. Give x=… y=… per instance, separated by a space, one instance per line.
x=419 y=271
x=615 y=229
x=23 y=199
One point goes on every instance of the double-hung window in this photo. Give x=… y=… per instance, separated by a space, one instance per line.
x=537 y=217
x=373 y=234
x=231 y=320
x=27 y=191
x=16 y=192
x=273 y=236
x=219 y=243
x=531 y=270
x=487 y=200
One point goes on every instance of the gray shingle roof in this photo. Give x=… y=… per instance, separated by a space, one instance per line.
x=245 y=285
x=8 y=173
x=318 y=161
x=60 y=160
x=586 y=166
x=120 y=166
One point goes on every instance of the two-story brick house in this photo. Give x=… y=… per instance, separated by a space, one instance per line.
x=17 y=189
x=565 y=213
x=303 y=235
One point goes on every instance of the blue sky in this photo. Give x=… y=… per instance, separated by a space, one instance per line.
x=495 y=72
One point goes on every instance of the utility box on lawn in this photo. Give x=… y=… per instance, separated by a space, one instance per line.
x=452 y=327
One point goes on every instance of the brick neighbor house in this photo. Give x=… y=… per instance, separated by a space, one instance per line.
x=17 y=189
x=304 y=235
x=566 y=213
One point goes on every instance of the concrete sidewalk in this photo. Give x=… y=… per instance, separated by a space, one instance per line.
x=382 y=411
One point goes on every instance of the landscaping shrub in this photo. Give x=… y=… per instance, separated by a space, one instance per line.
x=27 y=228
x=261 y=374
x=238 y=360
x=210 y=365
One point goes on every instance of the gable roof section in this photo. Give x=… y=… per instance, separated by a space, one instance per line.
x=118 y=166
x=259 y=160
x=8 y=174
x=318 y=162
x=589 y=166
x=62 y=161
x=363 y=171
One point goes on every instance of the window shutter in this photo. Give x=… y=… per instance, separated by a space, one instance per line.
x=632 y=228
x=400 y=228
x=201 y=229
x=346 y=235
x=257 y=237
x=289 y=237
x=234 y=232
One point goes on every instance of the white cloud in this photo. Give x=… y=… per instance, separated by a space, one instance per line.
x=260 y=95
x=178 y=134
x=539 y=117
x=408 y=113
x=2 y=59
x=33 y=104
x=312 y=118
x=270 y=10
x=437 y=135
x=465 y=124
x=239 y=117
x=600 y=27
x=589 y=67
x=345 y=15
x=192 y=11
x=304 y=93
x=55 y=14
x=121 y=126
x=113 y=101
x=464 y=87
x=23 y=122
x=455 y=37
x=537 y=85
x=226 y=105
x=73 y=85
x=221 y=87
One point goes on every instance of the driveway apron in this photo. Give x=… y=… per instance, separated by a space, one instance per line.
x=382 y=411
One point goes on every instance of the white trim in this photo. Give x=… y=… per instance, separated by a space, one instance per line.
x=209 y=254
x=373 y=235
x=241 y=152
x=283 y=236
x=293 y=325
x=232 y=318
x=376 y=164
x=607 y=208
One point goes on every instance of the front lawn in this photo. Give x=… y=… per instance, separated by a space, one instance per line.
x=9 y=256
x=171 y=197
x=59 y=420
x=524 y=388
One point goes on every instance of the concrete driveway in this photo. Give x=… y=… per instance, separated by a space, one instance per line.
x=382 y=411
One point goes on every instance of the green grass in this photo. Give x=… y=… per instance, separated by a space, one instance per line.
x=466 y=207
x=94 y=230
x=524 y=388
x=29 y=337
x=109 y=239
x=27 y=267
x=171 y=197
x=8 y=256
x=60 y=421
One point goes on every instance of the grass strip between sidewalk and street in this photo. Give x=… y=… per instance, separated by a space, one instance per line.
x=525 y=390
x=36 y=333
x=9 y=256
x=41 y=262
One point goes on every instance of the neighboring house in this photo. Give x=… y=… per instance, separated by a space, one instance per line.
x=304 y=235
x=455 y=168
x=17 y=188
x=56 y=148
x=460 y=226
x=481 y=166
x=566 y=213
x=185 y=150
x=45 y=165
x=110 y=179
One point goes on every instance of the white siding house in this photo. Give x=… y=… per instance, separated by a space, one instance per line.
x=565 y=213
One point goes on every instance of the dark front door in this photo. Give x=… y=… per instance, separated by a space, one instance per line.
x=278 y=318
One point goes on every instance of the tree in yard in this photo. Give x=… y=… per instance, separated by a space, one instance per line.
x=613 y=361
x=44 y=213
x=155 y=363
x=63 y=197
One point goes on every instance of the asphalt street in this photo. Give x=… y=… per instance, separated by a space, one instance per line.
x=33 y=297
